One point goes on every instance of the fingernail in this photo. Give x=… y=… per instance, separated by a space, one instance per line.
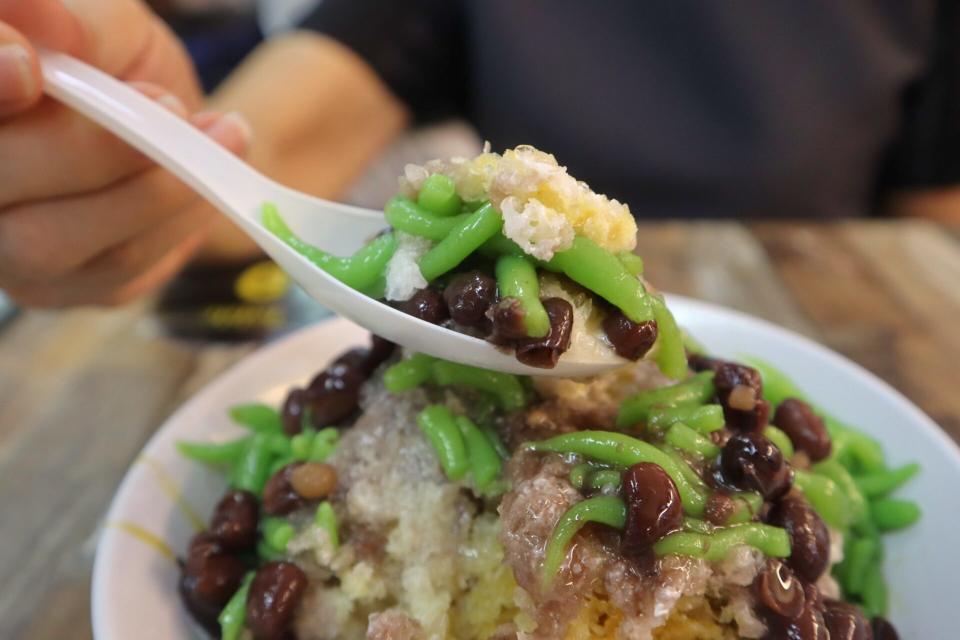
x=203 y=119
x=161 y=96
x=16 y=76
x=231 y=130
x=173 y=103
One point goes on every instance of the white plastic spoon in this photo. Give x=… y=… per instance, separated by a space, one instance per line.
x=239 y=192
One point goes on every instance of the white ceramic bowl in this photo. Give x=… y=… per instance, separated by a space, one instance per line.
x=134 y=582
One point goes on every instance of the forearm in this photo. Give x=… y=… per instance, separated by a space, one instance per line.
x=319 y=116
x=941 y=204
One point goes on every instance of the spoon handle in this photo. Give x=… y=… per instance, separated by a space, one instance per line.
x=215 y=173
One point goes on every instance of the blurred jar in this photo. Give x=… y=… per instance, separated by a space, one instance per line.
x=253 y=300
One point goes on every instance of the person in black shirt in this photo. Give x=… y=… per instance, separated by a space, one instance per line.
x=688 y=108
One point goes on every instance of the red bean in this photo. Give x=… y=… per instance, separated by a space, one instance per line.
x=883 y=629
x=805 y=428
x=275 y=593
x=732 y=374
x=700 y=362
x=733 y=380
x=750 y=462
x=845 y=621
x=507 y=322
x=631 y=340
x=545 y=352
x=426 y=304
x=755 y=420
x=292 y=412
x=279 y=496
x=334 y=395
x=809 y=536
x=468 y=297
x=210 y=577
x=351 y=359
x=809 y=625
x=234 y=523
x=364 y=361
x=779 y=591
x=380 y=351
x=204 y=614
x=653 y=507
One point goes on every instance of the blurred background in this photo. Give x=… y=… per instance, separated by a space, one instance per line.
x=220 y=34
x=682 y=111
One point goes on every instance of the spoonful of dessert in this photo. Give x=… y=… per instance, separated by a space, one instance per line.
x=503 y=262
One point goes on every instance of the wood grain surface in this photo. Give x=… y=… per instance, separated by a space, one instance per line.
x=81 y=391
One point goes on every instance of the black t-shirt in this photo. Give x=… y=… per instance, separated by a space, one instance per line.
x=687 y=108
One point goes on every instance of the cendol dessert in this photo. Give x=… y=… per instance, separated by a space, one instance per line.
x=403 y=497
x=399 y=496
x=513 y=249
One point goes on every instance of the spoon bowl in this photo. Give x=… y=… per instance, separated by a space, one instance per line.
x=239 y=192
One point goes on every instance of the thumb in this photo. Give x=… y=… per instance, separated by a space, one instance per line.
x=20 y=83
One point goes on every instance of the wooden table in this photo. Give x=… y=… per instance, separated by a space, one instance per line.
x=80 y=391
